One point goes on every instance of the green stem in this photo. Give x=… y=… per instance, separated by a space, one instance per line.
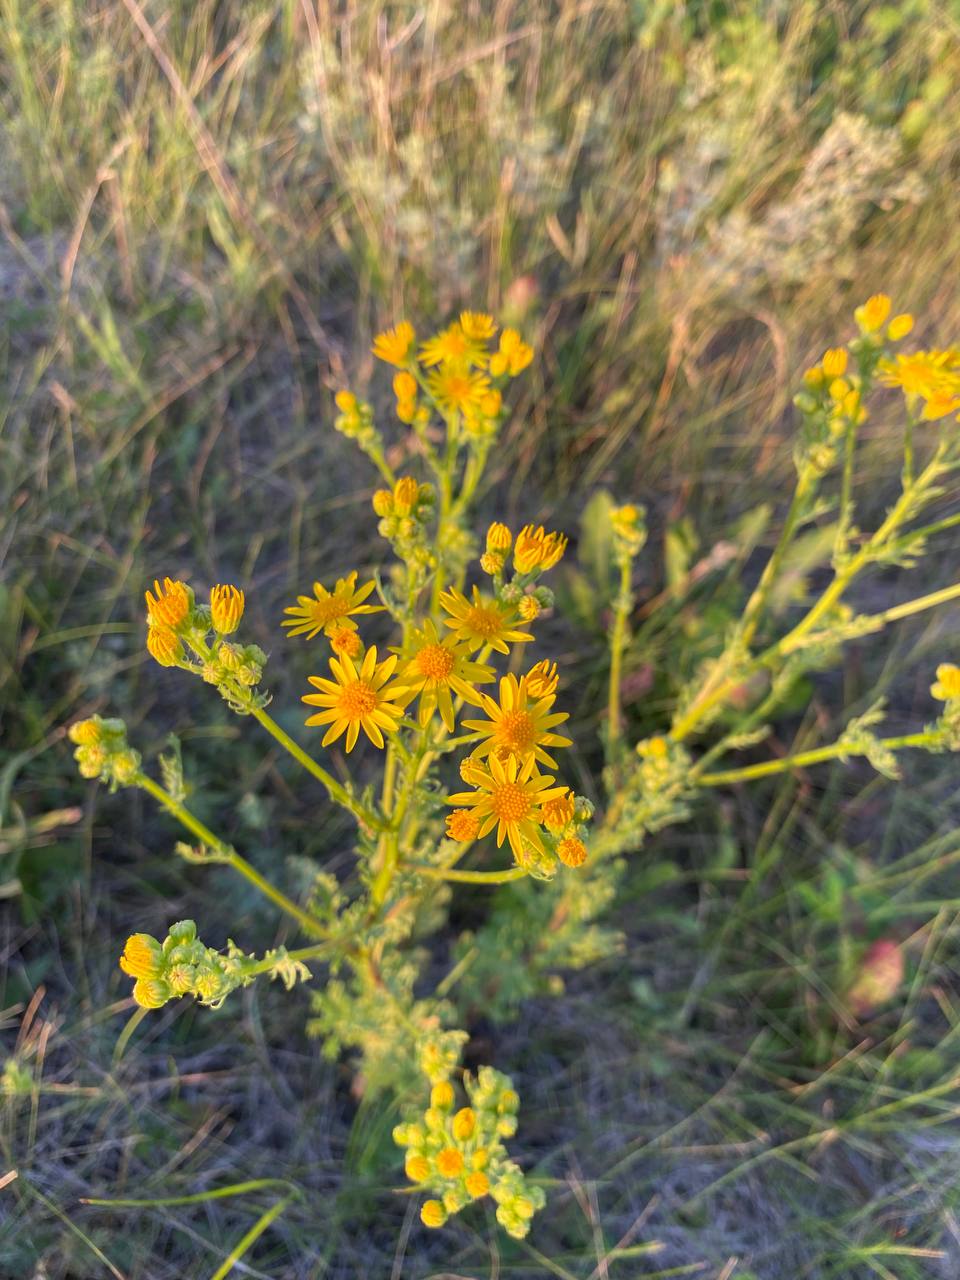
x=841 y=749
x=335 y=790
x=227 y=854
x=469 y=877
x=754 y=609
x=623 y=605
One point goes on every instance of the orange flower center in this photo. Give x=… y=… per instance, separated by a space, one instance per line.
x=510 y=802
x=435 y=661
x=457 y=388
x=325 y=611
x=357 y=700
x=485 y=620
x=516 y=730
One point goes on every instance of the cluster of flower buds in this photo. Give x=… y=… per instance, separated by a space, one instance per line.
x=102 y=751
x=183 y=633
x=946 y=689
x=512 y=355
x=405 y=514
x=182 y=966
x=355 y=421
x=534 y=552
x=629 y=531
x=564 y=837
x=459 y=1154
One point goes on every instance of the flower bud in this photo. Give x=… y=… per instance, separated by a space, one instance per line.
x=383 y=502
x=226 y=608
x=433 y=1214
x=464 y=1123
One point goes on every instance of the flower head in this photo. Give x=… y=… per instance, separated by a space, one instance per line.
x=518 y=727
x=142 y=956
x=834 y=362
x=482 y=621
x=947 y=686
x=171 y=604
x=436 y=669
x=226 y=609
x=537 y=549
x=513 y=356
x=499 y=537
x=509 y=797
x=923 y=373
x=455 y=347
x=345 y=640
x=308 y=616
x=357 y=698
x=542 y=679
x=900 y=326
x=164 y=646
x=559 y=813
x=572 y=852
x=463 y=825
x=872 y=316
x=395 y=346
x=477 y=325
x=457 y=389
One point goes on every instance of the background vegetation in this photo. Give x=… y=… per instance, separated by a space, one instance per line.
x=206 y=210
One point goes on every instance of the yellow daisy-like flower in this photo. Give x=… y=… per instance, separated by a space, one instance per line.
x=873 y=314
x=462 y=825
x=309 y=616
x=226 y=609
x=171 y=604
x=477 y=1184
x=509 y=797
x=517 y=727
x=357 y=699
x=477 y=325
x=939 y=405
x=535 y=548
x=164 y=646
x=542 y=679
x=395 y=346
x=482 y=621
x=947 y=686
x=437 y=669
x=454 y=346
x=572 y=852
x=559 y=813
x=456 y=389
x=923 y=373
x=142 y=956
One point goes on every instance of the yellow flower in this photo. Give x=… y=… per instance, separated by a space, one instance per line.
x=542 y=679
x=450 y=1162
x=491 y=404
x=170 y=606
x=922 y=373
x=395 y=346
x=509 y=797
x=873 y=314
x=477 y=1184
x=141 y=956
x=499 y=537
x=535 y=548
x=226 y=609
x=834 y=362
x=404 y=386
x=164 y=646
x=559 y=813
x=417 y=1168
x=442 y=1095
x=308 y=616
x=483 y=621
x=357 y=699
x=900 y=326
x=464 y=1123
x=151 y=993
x=529 y=608
x=405 y=495
x=436 y=669
x=477 y=325
x=462 y=825
x=406 y=411
x=433 y=1214
x=457 y=389
x=85 y=733
x=939 y=405
x=572 y=852
x=453 y=346
x=513 y=356
x=345 y=401
x=947 y=686
x=346 y=641
x=516 y=726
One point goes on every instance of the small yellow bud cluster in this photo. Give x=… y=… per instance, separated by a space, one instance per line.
x=512 y=357
x=565 y=818
x=460 y=1157
x=405 y=513
x=181 y=965
x=629 y=531
x=405 y=389
x=499 y=542
x=102 y=751
x=355 y=421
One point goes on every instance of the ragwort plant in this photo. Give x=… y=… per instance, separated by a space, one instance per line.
x=432 y=703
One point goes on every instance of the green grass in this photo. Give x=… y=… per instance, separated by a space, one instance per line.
x=206 y=212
